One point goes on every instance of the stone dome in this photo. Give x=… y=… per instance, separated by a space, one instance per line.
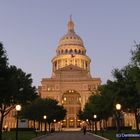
x=71 y=38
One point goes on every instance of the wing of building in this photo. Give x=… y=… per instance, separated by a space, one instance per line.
x=71 y=81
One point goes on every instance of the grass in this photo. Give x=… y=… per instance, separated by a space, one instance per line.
x=111 y=134
x=22 y=135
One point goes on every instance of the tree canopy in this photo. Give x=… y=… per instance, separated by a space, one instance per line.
x=41 y=107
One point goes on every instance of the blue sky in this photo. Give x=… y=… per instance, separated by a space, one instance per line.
x=30 y=31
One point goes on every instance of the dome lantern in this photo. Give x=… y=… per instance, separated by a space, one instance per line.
x=71 y=38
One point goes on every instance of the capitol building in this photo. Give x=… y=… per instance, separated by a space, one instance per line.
x=71 y=82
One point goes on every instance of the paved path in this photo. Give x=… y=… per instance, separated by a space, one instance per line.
x=69 y=136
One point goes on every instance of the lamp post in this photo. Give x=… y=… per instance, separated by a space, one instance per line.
x=18 y=109
x=95 y=117
x=54 y=123
x=45 y=117
x=118 y=109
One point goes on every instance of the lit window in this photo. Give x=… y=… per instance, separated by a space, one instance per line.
x=65 y=98
x=49 y=88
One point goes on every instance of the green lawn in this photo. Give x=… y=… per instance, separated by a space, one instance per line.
x=22 y=135
x=111 y=135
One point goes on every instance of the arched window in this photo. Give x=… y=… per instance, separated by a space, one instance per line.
x=66 y=51
x=65 y=62
x=58 y=52
x=86 y=65
x=71 y=51
x=84 y=52
x=76 y=62
x=62 y=51
x=71 y=97
x=55 y=64
x=75 y=51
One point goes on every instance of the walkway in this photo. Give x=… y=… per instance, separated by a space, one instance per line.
x=69 y=136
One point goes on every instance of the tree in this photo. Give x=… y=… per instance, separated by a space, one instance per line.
x=100 y=104
x=128 y=89
x=3 y=59
x=127 y=82
x=136 y=55
x=3 y=74
x=86 y=114
x=15 y=87
x=41 y=107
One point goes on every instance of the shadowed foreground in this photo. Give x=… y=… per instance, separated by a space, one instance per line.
x=69 y=136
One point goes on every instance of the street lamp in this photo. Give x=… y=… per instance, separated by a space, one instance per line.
x=18 y=109
x=54 y=124
x=118 y=108
x=45 y=117
x=95 y=117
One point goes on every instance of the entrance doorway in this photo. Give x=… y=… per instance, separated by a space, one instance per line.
x=71 y=101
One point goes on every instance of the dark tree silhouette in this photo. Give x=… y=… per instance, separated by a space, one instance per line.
x=41 y=107
x=15 y=87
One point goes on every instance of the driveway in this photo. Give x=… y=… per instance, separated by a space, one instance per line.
x=69 y=136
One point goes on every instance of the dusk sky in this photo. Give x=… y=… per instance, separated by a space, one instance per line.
x=30 y=31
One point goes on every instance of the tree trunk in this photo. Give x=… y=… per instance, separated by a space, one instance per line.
x=41 y=126
x=1 y=125
x=0 y=130
x=49 y=127
x=101 y=127
x=95 y=126
x=137 y=122
x=92 y=126
x=34 y=124
x=105 y=124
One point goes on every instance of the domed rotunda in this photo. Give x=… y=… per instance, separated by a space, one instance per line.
x=71 y=51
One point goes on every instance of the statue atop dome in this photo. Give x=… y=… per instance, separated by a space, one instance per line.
x=70 y=25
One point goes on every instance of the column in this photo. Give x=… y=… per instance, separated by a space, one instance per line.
x=75 y=122
x=67 y=122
